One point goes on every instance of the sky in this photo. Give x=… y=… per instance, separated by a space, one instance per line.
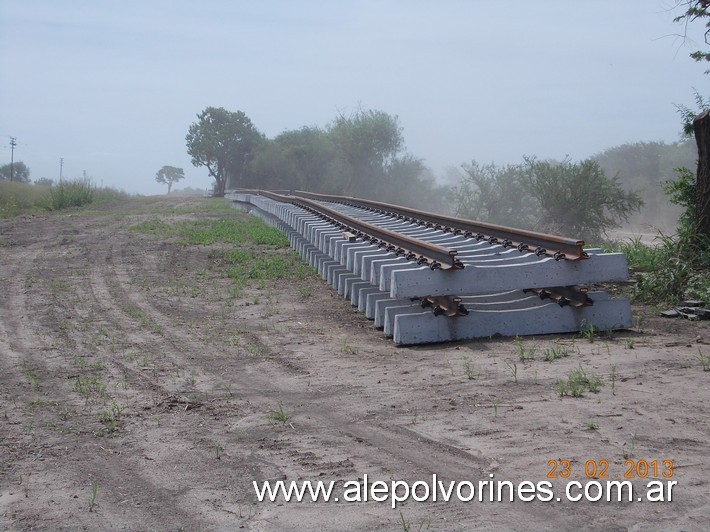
x=112 y=87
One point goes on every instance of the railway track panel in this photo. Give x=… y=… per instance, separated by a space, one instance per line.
x=422 y=281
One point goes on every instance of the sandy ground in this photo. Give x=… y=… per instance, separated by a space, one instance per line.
x=126 y=367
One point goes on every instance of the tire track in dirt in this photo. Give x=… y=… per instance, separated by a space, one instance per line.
x=185 y=454
x=27 y=345
x=386 y=448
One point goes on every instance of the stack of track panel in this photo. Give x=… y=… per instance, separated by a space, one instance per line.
x=496 y=290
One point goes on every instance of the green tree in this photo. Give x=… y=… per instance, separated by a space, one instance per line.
x=697 y=10
x=495 y=194
x=224 y=142
x=44 y=182
x=300 y=159
x=699 y=126
x=367 y=143
x=19 y=170
x=168 y=175
x=571 y=199
x=691 y=190
x=577 y=199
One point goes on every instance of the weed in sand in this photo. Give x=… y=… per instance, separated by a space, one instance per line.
x=406 y=527
x=347 y=348
x=29 y=280
x=255 y=350
x=305 y=291
x=30 y=375
x=218 y=450
x=228 y=391
x=89 y=387
x=468 y=368
x=94 y=496
x=523 y=353
x=640 y=321
x=577 y=383
x=110 y=418
x=556 y=352
x=512 y=368
x=587 y=331
x=629 y=451
x=278 y=415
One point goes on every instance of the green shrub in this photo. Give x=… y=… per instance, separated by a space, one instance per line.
x=71 y=194
x=17 y=198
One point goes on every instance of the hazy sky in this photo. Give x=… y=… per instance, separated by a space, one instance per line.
x=112 y=87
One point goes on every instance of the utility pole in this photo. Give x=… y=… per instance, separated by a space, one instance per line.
x=61 y=166
x=13 y=143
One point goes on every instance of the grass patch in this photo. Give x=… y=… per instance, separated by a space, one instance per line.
x=577 y=383
x=155 y=227
x=110 y=419
x=23 y=198
x=244 y=265
x=231 y=231
x=278 y=416
x=556 y=352
x=71 y=194
x=677 y=268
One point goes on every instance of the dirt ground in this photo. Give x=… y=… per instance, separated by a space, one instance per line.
x=136 y=394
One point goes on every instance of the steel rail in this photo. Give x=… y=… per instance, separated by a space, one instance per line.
x=402 y=244
x=529 y=241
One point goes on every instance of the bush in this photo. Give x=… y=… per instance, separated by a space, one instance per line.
x=71 y=194
x=16 y=198
x=564 y=198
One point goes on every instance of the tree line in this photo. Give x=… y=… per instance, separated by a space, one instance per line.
x=359 y=154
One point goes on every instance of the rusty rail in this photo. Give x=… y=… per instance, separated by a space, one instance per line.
x=424 y=252
x=530 y=241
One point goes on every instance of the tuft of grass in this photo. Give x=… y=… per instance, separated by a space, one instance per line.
x=305 y=291
x=218 y=450
x=279 y=415
x=587 y=331
x=612 y=378
x=94 y=496
x=236 y=230
x=155 y=227
x=556 y=352
x=21 y=198
x=110 y=418
x=348 y=349
x=90 y=387
x=704 y=360
x=255 y=350
x=30 y=375
x=512 y=368
x=468 y=368
x=523 y=353
x=71 y=194
x=674 y=268
x=577 y=383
